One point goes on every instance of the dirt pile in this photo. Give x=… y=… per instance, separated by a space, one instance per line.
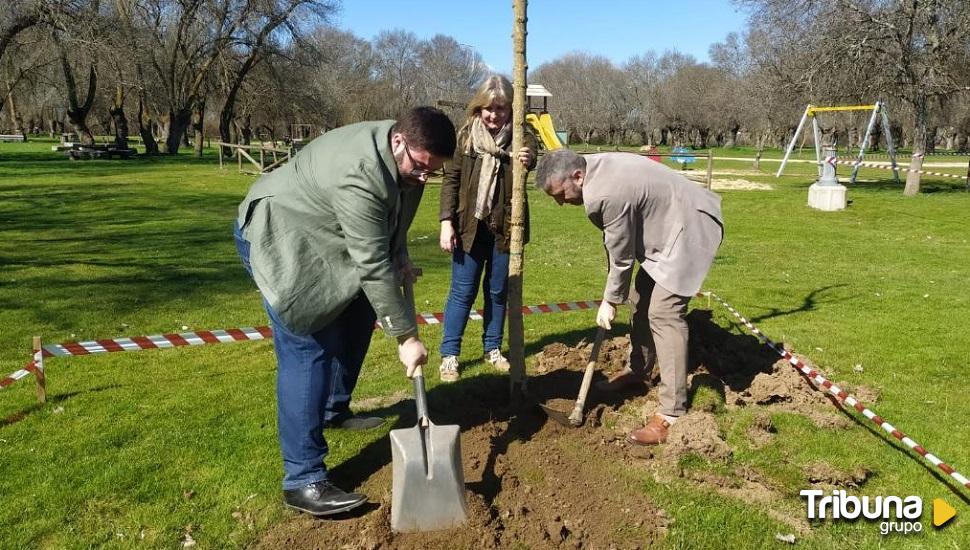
x=533 y=483
x=696 y=434
x=614 y=356
x=528 y=483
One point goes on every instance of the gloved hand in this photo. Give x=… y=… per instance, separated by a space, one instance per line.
x=605 y=315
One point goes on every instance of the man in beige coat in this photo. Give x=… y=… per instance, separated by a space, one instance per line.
x=652 y=216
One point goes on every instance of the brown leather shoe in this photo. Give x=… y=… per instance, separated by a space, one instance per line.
x=624 y=379
x=653 y=433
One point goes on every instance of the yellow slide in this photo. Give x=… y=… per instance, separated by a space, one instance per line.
x=547 y=132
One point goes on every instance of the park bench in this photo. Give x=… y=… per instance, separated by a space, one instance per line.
x=13 y=137
x=89 y=152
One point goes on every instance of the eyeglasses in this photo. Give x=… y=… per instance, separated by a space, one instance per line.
x=417 y=172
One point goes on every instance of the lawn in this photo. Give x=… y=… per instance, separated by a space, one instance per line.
x=151 y=448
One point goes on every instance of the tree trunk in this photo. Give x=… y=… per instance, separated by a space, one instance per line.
x=119 y=119
x=198 y=123
x=930 y=139
x=178 y=123
x=246 y=131
x=145 y=128
x=517 y=376
x=921 y=114
x=78 y=113
x=15 y=123
x=225 y=129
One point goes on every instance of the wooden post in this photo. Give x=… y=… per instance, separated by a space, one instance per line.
x=262 y=158
x=220 y=157
x=757 y=160
x=710 y=166
x=39 y=373
x=517 y=376
x=239 y=157
x=968 y=176
x=913 y=176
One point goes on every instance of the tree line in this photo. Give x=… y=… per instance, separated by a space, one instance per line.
x=174 y=71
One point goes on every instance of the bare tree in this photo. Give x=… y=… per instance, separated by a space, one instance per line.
x=270 y=22
x=911 y=50
x=397 y=68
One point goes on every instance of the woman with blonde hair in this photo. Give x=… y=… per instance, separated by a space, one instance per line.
x=476 y=212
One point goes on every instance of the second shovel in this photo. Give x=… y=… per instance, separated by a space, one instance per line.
x=575 y=418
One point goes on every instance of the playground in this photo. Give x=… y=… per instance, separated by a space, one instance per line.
x=172 y=447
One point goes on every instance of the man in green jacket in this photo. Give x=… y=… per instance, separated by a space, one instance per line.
x=325 y=239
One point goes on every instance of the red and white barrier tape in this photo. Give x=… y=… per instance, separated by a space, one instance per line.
x=28 y=368
x=843 y=397
x=202 y=337
x=886 y=156
x=900 y=168
x=136 y=343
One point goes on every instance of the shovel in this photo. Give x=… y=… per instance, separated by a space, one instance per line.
x=575 y=418
x=428 y=487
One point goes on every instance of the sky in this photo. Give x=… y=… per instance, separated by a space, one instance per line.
x=617 y=29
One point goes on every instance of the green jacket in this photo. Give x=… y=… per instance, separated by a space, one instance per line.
x=329 y=224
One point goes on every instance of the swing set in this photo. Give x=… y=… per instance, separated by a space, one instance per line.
x=879 y=111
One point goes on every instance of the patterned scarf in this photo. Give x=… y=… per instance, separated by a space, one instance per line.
x=492 y=151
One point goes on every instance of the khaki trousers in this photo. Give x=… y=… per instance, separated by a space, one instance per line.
x=658 y=333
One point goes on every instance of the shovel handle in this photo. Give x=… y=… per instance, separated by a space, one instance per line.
x=576 y=417
x=420 y=396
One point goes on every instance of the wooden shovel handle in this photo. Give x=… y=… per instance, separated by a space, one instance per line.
x=576 y=417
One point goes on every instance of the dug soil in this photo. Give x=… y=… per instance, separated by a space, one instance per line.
x=531 y=483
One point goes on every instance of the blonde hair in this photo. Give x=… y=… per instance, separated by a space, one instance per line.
x=495 y=87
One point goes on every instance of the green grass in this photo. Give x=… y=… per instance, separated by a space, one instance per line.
x=139 y=448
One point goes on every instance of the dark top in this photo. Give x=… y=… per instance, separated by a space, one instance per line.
x=460 y=191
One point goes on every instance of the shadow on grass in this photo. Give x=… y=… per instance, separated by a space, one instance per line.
x=958 y=490
x=129 y=247
x=485 y=399
x=929 y=185
x=55 y=399
x=808 y=304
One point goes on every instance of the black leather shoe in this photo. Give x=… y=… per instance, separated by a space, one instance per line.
x=358 y=422
x=322 y=499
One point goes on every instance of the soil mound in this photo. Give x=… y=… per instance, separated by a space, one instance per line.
x=782 y=385
x=826 y=476
x=528 y=483
x=533 y=483
x=697 y=434
x=614 y=355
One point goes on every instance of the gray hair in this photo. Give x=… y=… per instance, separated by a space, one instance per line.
x=556 y=166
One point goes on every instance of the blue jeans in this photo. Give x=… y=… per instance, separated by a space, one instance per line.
x=466 y=272
x=315 y=378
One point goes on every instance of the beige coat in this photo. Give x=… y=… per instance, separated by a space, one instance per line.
x=652 y=215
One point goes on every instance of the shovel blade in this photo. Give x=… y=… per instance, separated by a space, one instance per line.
x=558 y=416
x=428 y=487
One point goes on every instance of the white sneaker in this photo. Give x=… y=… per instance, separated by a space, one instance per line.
x=448 y=371
x=497 y=360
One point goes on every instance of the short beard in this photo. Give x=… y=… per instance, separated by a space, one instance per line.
x=407 y=182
